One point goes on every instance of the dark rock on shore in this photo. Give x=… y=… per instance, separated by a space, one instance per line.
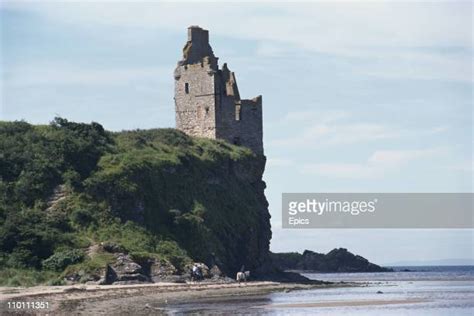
x=288 y=277
x=125 y=271
x=337 y=260
x=135 y=268
x=162 y=271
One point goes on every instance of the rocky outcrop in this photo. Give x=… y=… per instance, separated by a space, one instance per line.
x=139 y=268
x=125 y=271
x=162 y=271
x=215 y=271
x=337 y=260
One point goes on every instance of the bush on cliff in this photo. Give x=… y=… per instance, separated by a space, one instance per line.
x=61 y=259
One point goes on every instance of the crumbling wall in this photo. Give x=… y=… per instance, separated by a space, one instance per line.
x=207 y=98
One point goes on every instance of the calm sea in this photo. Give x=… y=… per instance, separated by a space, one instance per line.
x=433 y=290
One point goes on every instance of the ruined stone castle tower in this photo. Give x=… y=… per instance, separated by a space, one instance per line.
x=207 y=100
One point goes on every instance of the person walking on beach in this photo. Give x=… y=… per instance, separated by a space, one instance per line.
x=196 y=273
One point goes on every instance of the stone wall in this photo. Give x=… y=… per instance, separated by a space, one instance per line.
x=195 y=100
x=251 y=129
x=207 y=98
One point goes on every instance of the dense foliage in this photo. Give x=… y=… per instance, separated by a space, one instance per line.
x=61 y=259
x=68 y=186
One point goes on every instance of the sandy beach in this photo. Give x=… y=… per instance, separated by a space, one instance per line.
x=139 y=299
x=366 y=294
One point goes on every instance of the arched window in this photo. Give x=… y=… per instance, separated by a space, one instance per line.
x=186 y=88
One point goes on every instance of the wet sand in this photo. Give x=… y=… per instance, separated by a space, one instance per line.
x=142 y=299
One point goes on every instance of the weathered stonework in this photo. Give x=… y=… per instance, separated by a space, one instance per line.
x=207 y=99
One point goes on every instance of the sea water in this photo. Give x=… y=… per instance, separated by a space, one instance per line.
x=439 y=290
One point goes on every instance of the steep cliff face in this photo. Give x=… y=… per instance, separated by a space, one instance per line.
x=207 y=195
x=155 y=194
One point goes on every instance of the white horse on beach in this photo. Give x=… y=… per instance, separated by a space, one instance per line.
x=242 y=276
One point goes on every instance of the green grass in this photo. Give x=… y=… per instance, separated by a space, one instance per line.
x=26 y=277
x=91 y=266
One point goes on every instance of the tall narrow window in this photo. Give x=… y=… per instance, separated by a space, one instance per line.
x=238 y=112
x=186 y=88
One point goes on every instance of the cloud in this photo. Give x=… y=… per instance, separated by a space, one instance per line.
x=392 y=158
x=420 y=65
x=377 y=165
x=333 y=128
x=312 y=115
x=339 y=25
x=349 y=134
x=389 y=39
x=57 y=74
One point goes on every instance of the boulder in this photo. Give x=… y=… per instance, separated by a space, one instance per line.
x=215 y=271
x=125 y=265
x=125 y=271
x=162 y=271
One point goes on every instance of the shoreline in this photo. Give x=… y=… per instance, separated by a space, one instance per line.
x=138 y=298
x=253 y=297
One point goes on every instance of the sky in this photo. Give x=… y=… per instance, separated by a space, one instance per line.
x=358 y=96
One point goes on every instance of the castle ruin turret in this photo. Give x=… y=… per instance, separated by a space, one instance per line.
x=207 y=99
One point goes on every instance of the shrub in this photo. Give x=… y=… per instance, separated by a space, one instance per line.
x=143 y=257
x=171 y=251
x=62 y=259
x=82 y=217
x=72 y=179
